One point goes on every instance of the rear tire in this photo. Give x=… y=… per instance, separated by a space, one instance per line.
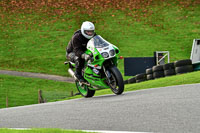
x=168 y=66
x=132 y=80
x=140 y=80
x=157 y=68
x=117 y=84
x=180 y=63
x=149 y=71
x=84 y=90
x=150 y=77
x=158 y=74
x=169 y=72
x=184 y=69
x=140 y=76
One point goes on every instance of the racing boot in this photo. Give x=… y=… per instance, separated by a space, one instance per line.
x=79 y=76
x=79 y=65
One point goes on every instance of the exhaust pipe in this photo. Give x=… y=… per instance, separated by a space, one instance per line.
x=71 y=72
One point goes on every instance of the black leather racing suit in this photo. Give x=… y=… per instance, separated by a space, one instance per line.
x=76 y=47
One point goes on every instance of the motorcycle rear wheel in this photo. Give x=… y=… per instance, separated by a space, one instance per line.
x=84 y=90
x=117 y=82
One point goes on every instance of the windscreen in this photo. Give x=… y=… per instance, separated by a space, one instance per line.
x=99 y=42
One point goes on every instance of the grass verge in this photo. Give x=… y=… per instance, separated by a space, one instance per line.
x=24 y=91
x=188 y=78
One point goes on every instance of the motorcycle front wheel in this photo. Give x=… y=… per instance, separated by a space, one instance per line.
x=116 y=81
x=84 y=90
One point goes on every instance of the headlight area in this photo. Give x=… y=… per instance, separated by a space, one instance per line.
x=105 y=54
x=112 y=52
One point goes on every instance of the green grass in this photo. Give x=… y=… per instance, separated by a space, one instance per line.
x=36 y=43
x=39 y=131
x=24 y=91
x=38 y=47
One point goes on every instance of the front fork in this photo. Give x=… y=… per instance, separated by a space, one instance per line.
x=107 y=73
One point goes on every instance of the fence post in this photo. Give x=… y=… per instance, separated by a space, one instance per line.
x=72 y=94
x=40 y=99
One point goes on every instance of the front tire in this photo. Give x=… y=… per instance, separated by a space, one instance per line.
x=84 y=90
x=117 y=83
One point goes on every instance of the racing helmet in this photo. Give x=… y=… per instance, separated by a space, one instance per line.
x=87 y=29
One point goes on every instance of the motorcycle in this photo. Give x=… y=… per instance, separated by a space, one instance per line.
x=100 y=71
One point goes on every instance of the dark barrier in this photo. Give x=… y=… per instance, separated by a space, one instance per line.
x=137 y=65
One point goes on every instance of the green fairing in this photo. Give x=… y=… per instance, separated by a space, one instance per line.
x=92 y=77
x=97 y=82
x=100 y=59
x=97 y=72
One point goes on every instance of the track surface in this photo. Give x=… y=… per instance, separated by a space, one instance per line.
x=168 y=109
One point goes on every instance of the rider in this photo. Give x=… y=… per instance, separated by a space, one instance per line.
x=77 y=46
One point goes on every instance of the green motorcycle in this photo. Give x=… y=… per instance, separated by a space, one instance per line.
x=100 y=72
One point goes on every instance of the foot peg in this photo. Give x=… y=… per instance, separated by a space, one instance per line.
x=66 y=62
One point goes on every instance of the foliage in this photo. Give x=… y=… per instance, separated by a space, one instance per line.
x=138 y=9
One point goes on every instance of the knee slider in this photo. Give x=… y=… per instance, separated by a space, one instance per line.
x=76 y=60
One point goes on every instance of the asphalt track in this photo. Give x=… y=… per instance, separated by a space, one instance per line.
x=173 y=109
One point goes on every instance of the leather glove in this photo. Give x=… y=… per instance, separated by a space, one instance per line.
x=85 y=56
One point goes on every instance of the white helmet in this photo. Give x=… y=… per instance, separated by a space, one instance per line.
x=87 y=29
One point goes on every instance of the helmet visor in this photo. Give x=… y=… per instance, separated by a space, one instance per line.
x=89 y=32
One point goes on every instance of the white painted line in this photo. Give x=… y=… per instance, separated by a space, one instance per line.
x=19 y=128
x=103 y=131
x=97 y=131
